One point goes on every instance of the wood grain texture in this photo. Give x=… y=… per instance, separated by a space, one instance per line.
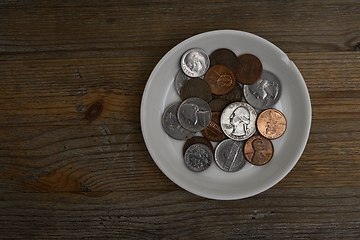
x=68 y=171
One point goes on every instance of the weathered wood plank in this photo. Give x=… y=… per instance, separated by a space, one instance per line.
x=132 y=29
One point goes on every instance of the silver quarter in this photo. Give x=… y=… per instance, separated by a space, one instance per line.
x=198 y=157
x=195 y=62
x=179 y=80
x=265 y=92
x=171 y=124
x=238 y=121
x=229 y=155
x=194 y=114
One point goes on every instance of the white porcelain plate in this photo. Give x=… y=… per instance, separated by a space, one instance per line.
x=215 y=183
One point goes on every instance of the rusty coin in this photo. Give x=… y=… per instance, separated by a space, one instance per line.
x=213 y=131
x=196 y=87
x=271 y=123
x=197 y=139
x=226 y=57
x=258 y=150
x=221 y=79
x=218 y=104
x=250 y=69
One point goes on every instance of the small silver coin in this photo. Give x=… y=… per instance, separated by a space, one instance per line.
x=229 y=155
x=179 y=80
x=238 y=121
x=195 y=62
x=194 y=114
x=171 y=124
x=265 y=92
x=198 y=157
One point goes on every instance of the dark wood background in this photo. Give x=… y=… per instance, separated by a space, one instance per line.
x=68 y=173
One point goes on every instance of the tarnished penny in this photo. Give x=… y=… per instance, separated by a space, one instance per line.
x=226 y=57
x=198 y=157
x=194 y=114
x=229 y=155
x=171 y=124
x=250 y=69
x=196 y=87
x=218 y=104
x=220 y=79
x=179 y=80
x=213 y=131
x=197 y=139
x=234 y=95
x=195 y=62
x=265 y=92
x=271 y=123
x=258 y=150
x=238 y=121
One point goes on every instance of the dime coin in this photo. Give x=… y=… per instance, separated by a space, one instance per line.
x=226 y=57
x=229 y=155
x=218 y=104
x=238 y=121
x=172 y=126
x=196 y=87
x=221 y=79
x=271 y=123
x=197 y=139
x=194 y=114
x=198 y=157
x=213 y=131
x=195 y=62
x=258 y=150
x=250 y=69
x=234 y=95
x=265 y=92
x=179 y=80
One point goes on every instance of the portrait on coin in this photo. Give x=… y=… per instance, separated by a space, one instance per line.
x=195 y=62
x=193 y=114
x=264 y=90
x=239 y=120
x=259 y=151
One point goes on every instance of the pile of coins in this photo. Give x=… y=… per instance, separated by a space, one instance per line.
x=226 y=102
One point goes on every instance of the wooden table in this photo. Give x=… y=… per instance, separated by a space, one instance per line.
x=69 y=173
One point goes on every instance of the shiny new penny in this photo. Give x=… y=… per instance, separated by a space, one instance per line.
x=271 y=123
x=196 y=87
x=258 y=150
x=250 y=69
x=198 y=157
x=221 y=79
x=213 y=131
x=226 y=57
x=197 y=139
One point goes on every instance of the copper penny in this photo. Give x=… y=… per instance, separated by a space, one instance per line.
x=218 y=104
x=271 y=123
x=196 y=87
x=226 y=57
x=197 y=139
x=258 y=150
x=213 y=131
x=250 y=69
x=220 y=79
